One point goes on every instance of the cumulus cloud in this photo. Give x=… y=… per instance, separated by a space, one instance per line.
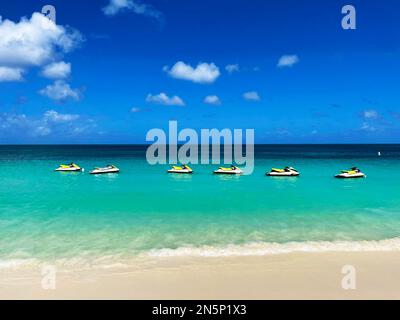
x=42 y=131
x=370 y=114
x=54 y=116
x=288 y=61
x=251 y=96
x=164 y=99
x=50 y=122
x=57 y=70
x=231 y=68
x=367 y=127
x=10 y=74
x=60 y=91
x=34 y=41
x=85 y=127
x=116 y=6
x=212 y=100
x=9 y=120
x=371 y=120
x=202 y=73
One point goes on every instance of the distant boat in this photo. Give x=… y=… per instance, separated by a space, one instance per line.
x=69 y=167
x=109 y=169
x=230 y=170
x=352 y=173
x=379 y=154
x=286 y=172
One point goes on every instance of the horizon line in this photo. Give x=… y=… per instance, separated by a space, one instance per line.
x=148 y=144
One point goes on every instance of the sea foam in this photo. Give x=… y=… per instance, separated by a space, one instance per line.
x=269 y=248
x=15 y=263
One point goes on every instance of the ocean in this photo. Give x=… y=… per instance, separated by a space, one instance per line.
x=77 y=219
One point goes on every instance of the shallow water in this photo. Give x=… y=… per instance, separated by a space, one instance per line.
x=48 y=216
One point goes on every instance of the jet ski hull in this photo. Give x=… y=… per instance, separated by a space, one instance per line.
x=68 y=169
x=350 y=176
x=180 y=171
x=232 y=172
x=282 y=174
x=101 y=171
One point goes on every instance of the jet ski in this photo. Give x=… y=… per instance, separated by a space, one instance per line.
x=69 y=167
x=286 y=172
x=230 y=170
x=107 y=169
x=352 y=173
x=180 y=169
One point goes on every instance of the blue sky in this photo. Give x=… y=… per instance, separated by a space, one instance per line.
x=107 y=72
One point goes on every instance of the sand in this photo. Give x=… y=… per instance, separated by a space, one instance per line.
x=284 y=276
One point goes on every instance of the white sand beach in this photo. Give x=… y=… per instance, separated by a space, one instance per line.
x=283 y=276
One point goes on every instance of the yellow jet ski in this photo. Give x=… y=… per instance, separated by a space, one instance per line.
x=286 y=172
x=230 y=170
x=181 y=169
x=352 y=173
x=69 y=167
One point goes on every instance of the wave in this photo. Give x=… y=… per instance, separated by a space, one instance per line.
x=98 y=261
x=270 y=248
x=15 y=263
x=76 y=263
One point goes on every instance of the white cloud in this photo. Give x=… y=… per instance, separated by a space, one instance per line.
x=116 y=6
x=57 y=70
x=231 y=68
x=42 y=131
x=367 y=127
x=10 y=74
x=370 y=114
x=252 y=96
x=288 y=61
x=283 y=132
x=162 y=98
x=82 y=127
x=60 y=91
x=34 y=41
x=203 y=73
x=54 y=116
x=135 y=109
x=50 y=122
x=20 y=124
x=212 y=100
x=11 y=120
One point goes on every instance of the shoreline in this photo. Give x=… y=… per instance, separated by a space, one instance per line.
x=283 y=276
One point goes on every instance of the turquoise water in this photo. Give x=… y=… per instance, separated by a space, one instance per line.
x=47 y=215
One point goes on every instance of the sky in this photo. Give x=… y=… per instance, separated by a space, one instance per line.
x=108 y=71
